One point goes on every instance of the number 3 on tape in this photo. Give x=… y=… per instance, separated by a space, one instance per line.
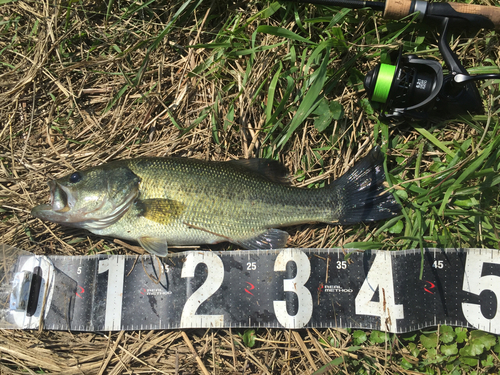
x=295 y=285
x=380 y=278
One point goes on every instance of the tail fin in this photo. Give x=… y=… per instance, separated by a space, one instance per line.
x=362 y=192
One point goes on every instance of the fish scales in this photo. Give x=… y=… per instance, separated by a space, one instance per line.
x=228 y=197
x=181 y=201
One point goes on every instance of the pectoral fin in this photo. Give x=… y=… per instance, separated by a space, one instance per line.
x=154 y=245
x=270 y=239
x=162 y=211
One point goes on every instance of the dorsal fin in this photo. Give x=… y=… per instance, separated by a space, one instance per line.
x=271 y=169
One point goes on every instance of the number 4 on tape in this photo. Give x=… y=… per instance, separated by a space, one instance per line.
x=380 y=278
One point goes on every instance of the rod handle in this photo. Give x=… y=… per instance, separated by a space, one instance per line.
x=397 y=9
x=480 y=16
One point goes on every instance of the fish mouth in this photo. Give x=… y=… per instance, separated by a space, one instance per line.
x=62 y=209
x=61 y=199
x=58 y=210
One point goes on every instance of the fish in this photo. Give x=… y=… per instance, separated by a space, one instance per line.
x=162 y=201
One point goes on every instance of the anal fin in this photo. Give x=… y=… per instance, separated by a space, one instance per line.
x=270 y=239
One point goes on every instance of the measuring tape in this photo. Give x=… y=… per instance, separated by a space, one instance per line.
x=393 y=291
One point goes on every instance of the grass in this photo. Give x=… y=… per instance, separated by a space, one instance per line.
x=86 y=82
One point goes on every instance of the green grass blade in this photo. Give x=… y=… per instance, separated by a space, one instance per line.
x=310 y=99
x=108 y=10
x=272 y=90
x=433 y=140
x=117 y=97
x=282 y=33
x=339 y=16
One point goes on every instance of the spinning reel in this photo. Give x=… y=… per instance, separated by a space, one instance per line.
x=416 y=88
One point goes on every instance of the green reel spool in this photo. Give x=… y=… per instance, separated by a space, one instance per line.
x=383 y=83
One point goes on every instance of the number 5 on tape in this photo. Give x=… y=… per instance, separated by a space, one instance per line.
x=476 y=283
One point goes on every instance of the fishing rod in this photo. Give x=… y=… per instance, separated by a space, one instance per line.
x=415 y=88
x=468 y=15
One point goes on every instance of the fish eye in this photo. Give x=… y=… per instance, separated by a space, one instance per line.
x=75 y=177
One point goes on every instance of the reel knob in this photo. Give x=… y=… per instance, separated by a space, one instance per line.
x=460 y=78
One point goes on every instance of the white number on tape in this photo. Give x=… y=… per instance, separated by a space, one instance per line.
x=475 y=283
x=215 y=276
x=380 y=277
x=115 y=266
x=295 y=285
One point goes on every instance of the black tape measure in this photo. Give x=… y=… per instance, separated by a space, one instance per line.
x=397 y=291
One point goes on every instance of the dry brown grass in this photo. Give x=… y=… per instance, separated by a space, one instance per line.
x=182 y=352
x=58 y=113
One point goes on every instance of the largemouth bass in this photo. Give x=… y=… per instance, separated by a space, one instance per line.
x=178 y=201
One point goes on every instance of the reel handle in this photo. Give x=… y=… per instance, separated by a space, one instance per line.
x=459 y=78
x=479 y=16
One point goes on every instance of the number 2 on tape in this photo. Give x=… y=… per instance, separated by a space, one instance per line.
x=215 y=277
